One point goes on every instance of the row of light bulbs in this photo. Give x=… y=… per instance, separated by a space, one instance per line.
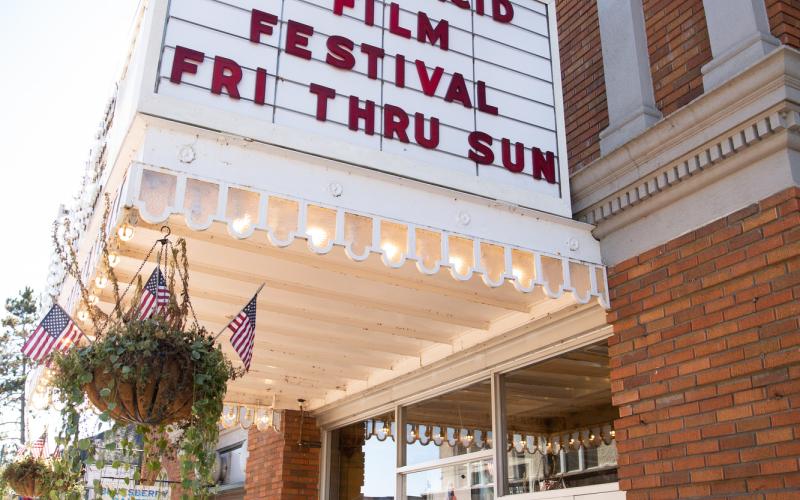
x=246 y=416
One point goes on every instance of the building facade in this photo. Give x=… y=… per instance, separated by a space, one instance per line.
x=525 y=249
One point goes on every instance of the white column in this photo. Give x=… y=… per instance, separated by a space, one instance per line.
x=739 y=34
x=629 y=86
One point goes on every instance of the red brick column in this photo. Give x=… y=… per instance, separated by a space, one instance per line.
x=705 y=359
x=279 y=469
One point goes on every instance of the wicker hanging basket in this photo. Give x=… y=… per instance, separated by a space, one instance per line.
x=28 y=486
x=160 y=394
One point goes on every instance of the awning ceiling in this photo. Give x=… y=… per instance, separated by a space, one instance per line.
x=344 y=307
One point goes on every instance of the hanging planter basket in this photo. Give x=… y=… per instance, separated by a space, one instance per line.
x=150 y=364
x=27 y=476
x=157 y=390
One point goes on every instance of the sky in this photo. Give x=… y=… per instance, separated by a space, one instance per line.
x=59 y=61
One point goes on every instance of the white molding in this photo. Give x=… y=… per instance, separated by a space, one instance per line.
x=606 y=491
x=711 y=154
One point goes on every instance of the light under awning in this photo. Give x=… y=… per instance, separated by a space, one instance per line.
x=352 y=300
x=159 y=194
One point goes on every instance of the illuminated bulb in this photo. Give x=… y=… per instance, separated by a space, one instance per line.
x=386 y=429
x=101 y=281
x=613 y=433
x=83 y=315
x=93 y=300
x=571 y=441
x=318 y=236
x=390 y=250
x=458 y=264
x=517 y=273
x=113 y=259
x=591 y=437
x=549 y=445
x=125 y=232
x=242 y=224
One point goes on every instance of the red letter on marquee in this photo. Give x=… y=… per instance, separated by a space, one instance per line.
x=482 y=104
x=373 y=54
x=395 y=122
x=426 y=31
x=181 y=64
x=261 y=23
x=502 y=11
x=481 y=144
x=323 y=95
x=517 y=165
x=367 y=113
x=297 y=35
x=394 y=22
x=458 y=91
x=260 y=96
x=544 y=163
x=419 y=132
x=429 y=84
x=400 y=70
x=339 y=5
x=227 y=74
x=340 y=52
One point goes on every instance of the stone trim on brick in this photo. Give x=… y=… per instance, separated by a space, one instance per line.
x=695 y=163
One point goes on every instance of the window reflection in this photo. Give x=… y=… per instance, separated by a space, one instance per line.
x=449 y=425
x=474 y=481
x=363 y=459
x=559 y=423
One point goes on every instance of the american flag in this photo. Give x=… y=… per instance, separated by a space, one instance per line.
x=37 y=448
x=243 y=327
x=56 y=331
x=155 y=296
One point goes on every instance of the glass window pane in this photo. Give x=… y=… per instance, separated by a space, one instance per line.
x=559 y=422
x=363 y=457
x=449 y=425
x=473 y=481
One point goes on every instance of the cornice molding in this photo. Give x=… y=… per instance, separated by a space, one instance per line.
x=760 y=103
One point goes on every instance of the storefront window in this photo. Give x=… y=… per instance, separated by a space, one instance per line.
x=449 y=425
x=363 y=458
x=558 y=420
x=472 y=480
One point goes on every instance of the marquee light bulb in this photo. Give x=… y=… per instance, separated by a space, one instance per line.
x=125 y=232
x=318 y=236
x=458 y=264
x=93 y=300
x=113 y=259
x=83 y=315
x=101 y=281
x=242 y=224
x=390 y=250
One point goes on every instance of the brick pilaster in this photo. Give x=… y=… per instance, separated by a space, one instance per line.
x=279 y=469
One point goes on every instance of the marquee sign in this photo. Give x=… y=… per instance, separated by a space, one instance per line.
x=464 y=88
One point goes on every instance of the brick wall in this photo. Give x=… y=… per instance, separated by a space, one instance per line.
x=705 y=359
x=583 y=81
x=678 y=44
x=784 y=20
x=277 y=468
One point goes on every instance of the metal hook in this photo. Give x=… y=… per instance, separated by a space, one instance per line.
x=167 y=233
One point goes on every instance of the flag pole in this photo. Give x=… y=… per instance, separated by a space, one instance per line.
x=240 y=310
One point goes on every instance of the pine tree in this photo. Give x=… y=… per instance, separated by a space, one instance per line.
x=17 y=325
